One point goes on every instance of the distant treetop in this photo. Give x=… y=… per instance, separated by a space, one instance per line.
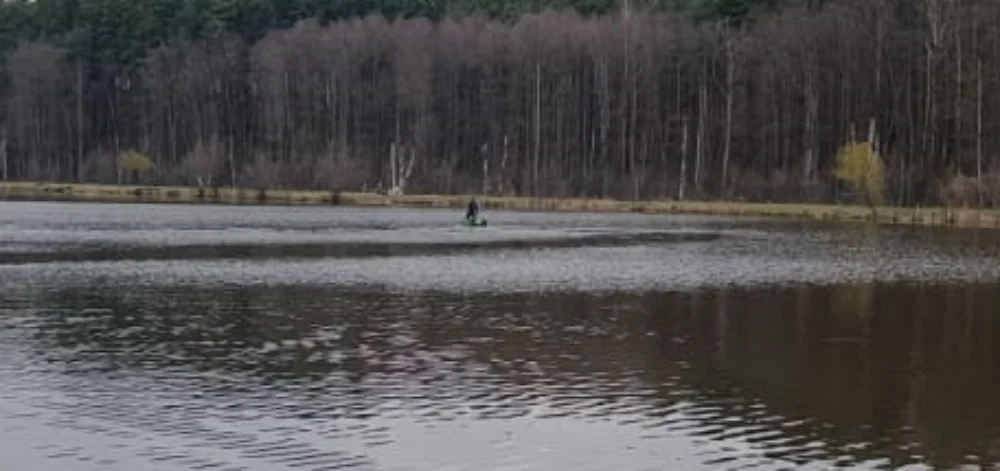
x=158 y=20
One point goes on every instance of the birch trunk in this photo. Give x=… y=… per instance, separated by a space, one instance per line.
x=538 y=128
x=699 y=154
x=979 y=125
x=3 y=155
x=79 y=119
x=684 y=158
x=728 y=138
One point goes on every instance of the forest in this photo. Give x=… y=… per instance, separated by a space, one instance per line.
x=686 y=99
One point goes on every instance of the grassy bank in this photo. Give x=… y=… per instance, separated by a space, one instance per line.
x=35 y=191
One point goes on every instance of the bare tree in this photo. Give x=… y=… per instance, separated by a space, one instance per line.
x=628 y=106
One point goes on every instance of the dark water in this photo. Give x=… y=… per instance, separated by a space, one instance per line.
x=175 y=338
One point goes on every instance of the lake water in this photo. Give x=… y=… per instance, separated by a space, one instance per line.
x=276 y=338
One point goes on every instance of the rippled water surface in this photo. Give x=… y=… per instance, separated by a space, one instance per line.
x=224 y=338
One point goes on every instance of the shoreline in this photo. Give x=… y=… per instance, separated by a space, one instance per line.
x=98 y=193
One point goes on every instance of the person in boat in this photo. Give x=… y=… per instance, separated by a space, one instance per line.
x=472 y=210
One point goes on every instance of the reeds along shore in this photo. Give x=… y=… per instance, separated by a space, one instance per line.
x=34 y=191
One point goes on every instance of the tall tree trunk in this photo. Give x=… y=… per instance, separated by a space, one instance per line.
x=605 y=107
x=873 y=144
x=633 y=124
x=393 y=172
x=501 y=187
x=933 y=44
x=700 y=139
x=812 y=108
x=592 y=150
x=80 y=143
x=3 y=156
x=684 y=157
x=979 y=109
x=912 y=104
x=394 y=184
x=231 y=148
x=728 y=138
x=958 y=154
x=114 y=131
x=537 y=155
x=486 y=171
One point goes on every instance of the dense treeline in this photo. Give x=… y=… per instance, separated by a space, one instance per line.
x=615 y=99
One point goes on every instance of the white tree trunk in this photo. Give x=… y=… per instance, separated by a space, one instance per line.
x=401 y=168
x=79 y=122
x=538 y=128
x=699 y=152
x=979 y=112
x=232 y=166
x=486 y=171
x=684 y=158
x=812 y=110
x=871 y=133
x=503 y=168
x=3 y=155
x=730 y=84
x=393 y=173
x=408 y=170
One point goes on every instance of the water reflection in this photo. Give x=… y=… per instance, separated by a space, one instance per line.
x=883 y=375
x=25 y=252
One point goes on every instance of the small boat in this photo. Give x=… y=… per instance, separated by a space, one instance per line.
x=476 y=221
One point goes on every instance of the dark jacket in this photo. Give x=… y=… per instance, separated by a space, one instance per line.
x=472 y=210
